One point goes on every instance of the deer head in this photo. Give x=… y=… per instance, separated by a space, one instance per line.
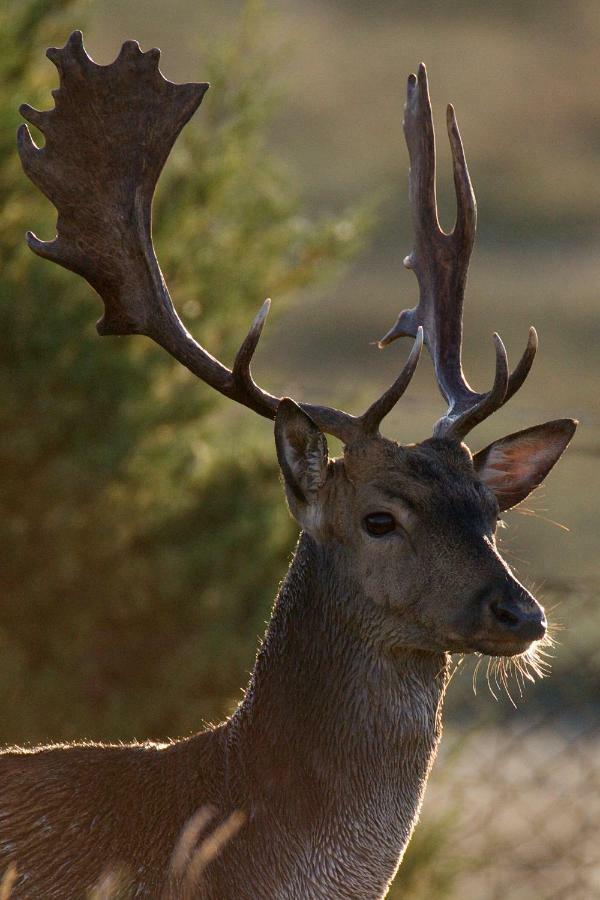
x=414 y=524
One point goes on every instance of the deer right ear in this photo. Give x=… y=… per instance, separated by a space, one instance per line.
x=516 y=464
x=301 y=451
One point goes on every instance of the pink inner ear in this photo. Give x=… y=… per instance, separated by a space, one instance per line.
x=517 y=463
x=510 y=461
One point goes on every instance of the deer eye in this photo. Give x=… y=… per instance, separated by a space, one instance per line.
x=379 y=523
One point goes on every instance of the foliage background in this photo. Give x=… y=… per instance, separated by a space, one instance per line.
x=142 y=526
x=128 y=519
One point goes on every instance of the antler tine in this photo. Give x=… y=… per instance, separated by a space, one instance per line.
x=440 y=262
x=100 y=172
x=466 y=205
x=421 y=147
x=521 y=370
x=502 y=390
x=455 y=427
x=375 y=414
x=240 y=371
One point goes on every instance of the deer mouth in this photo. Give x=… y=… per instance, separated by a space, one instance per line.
x=495 y=647
x=491 y=643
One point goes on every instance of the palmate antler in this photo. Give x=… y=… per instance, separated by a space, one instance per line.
x=440 y=262
x=107 y=140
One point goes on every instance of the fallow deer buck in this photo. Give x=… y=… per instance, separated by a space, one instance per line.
x=396 y=567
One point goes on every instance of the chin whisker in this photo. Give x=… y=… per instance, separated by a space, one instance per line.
x=504 y=674
x=475 y=672
x=487 y=677
x=500 y=675
x=457 y=665
x=519 y=678
x=530 y=666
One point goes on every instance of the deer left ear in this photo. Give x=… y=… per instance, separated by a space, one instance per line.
x=301 y=451
x=516 y=464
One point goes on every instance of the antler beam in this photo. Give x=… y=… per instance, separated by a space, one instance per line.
x=440 y=262
x=107 y=140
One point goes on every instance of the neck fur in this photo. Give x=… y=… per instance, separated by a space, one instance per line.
x=336 y=729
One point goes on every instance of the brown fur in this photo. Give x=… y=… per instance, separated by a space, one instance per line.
x=328 y=754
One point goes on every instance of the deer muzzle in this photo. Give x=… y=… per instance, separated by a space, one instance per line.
x=512 y=615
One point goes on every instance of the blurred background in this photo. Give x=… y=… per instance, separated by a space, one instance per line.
x=142 y=524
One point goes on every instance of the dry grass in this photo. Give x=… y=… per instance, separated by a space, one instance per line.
x=8 y=879
x=192 y=856
x=194 y=851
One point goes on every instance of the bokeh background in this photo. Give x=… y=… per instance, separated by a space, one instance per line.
x=142 y=525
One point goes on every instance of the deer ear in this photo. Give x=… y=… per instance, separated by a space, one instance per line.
x=301 y=451
x=516 y=464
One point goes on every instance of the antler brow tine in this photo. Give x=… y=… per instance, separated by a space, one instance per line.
x=440 y=262
x=100 y=172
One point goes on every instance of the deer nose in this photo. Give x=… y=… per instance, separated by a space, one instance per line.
x=522 y=616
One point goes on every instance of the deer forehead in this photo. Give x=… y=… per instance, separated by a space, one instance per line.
x=417 y=471
x=434 y=480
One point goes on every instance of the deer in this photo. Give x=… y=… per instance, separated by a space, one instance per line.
x=327 y=756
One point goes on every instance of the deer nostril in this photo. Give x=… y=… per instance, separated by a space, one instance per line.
x=504 y=615
x=527 y=624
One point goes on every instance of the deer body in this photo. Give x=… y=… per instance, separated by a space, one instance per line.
x=327 y=756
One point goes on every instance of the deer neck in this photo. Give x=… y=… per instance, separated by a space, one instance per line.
x=335 y=728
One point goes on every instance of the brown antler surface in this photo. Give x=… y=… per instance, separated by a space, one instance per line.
x=107 y=140
x=440 y=262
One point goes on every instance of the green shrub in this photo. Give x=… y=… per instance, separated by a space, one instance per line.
x=143 y=533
